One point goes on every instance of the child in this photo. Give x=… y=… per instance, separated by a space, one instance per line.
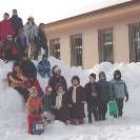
x=77 y=98
x=10 y=49
x=119 y=92
x=47 y=104
x=44 y=67
x=21 y=42
x=61 y=104
x=103 y=89
x=91 y=90
x=34 y=109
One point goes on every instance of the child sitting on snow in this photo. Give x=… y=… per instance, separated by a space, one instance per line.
x=34 y=109
x=61 y=103
x=44 y=67
x=10 y=49
x=77 y=99
x=47 y=105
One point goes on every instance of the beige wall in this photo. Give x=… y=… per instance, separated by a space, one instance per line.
x=90 y=41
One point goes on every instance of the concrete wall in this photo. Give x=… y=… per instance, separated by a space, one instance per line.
x=90 y=41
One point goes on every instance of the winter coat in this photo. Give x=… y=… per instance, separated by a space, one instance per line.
x=34 y=106
x=55 y=80
x=31 y=31
x=21 y=42
x=14 y=80
x=42 y=40
x=28 y=69
x=104 y=90
x=88 y=91
x=62 y=114
x=16 y=24
x=10 y=50
x=118 y=89
x=44 y=65
x=5 y=29
x=77 y=109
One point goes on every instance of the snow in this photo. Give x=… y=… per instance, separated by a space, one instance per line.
x=13 y=113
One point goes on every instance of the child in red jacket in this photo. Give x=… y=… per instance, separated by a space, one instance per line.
x=34 y=109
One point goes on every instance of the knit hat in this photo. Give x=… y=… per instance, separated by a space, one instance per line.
x=48 y=89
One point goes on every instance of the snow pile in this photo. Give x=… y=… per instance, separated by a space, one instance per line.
x=13 y=113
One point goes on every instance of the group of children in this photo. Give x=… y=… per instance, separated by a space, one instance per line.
x=67 y=104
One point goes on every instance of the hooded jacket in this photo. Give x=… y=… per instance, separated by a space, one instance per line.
x=5 y=29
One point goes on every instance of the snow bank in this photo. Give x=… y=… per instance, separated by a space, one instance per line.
x=13 y=116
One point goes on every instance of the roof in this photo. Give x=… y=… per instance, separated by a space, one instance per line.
x=95 y=12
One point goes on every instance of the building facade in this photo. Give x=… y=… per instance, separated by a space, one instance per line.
x=109 y=34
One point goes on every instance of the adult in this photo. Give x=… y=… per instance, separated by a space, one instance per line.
x=56 y=79
x=31 y=32
x=41 y=40
x=6 y=27
x=16 y=21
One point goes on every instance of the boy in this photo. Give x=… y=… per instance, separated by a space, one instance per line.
x=103 y=89
x=44 y=67
x=119 y=92
x=92 y=99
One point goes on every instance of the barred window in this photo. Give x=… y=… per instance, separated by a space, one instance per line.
x=105 y=41
x=76 y=50
x=134 y=42
x=55 y=48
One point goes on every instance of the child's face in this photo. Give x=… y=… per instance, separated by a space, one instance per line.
x=60 y=89
x=33 y=94
x=16 y=68
x=10 y=38
x=91 y=79
x=102 y=78
x=75 y=82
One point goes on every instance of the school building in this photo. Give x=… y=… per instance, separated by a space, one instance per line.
x=108 y=34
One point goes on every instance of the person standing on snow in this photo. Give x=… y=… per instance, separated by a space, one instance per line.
x=6 y=27
x=92 y=98
x=41 y=40
x=31 y=32
x=16 y=22
x=104 y=96
x=119 y=92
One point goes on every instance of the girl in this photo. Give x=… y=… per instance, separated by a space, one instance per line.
x=34 y=109
x=77 y=99
x=61 y=104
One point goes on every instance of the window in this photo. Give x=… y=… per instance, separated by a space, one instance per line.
x=105 y=39
x=55 y=48
x=76 y=50
x=134 y=42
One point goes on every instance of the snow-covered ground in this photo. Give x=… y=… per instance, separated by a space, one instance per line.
x=13 y=116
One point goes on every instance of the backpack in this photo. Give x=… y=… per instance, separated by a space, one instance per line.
x=38 y=127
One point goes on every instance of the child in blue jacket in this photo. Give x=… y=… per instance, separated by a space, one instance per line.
x=44 y=67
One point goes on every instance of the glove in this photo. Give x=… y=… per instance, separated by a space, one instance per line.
x=127 y=98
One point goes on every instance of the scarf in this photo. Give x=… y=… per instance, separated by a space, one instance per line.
x=74 y=93
x=58 y=103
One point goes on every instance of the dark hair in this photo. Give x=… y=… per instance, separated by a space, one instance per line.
x=41 y=24
x=117 y=72
x=6 y=14
x=24 y=55
x=59 y=85
x=75 y=78
x=102 y=74
x=93 y=75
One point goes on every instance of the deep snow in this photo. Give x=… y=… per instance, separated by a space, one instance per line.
x=13 y=113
